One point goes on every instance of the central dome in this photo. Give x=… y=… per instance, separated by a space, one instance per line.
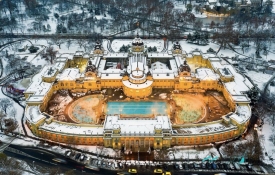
x=137 y=41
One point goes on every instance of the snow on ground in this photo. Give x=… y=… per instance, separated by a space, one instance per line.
x=19 y=112
x=267 y=138
x=187 y=152
x=258 y=78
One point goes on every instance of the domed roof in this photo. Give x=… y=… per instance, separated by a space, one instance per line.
x=184 y=67
x=97 y=46
x=177 y=46
x=137 y=41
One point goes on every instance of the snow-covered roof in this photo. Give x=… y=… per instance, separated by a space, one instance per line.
x=137 y=125
x=33 y=114
x=212 y=1
x=216 y=65
x=116 y=55
x=202 y=129
x=158 y=65
x=61 y=59
x=159 y=55
x=39 y=88
x=67 y=55
x=69 y=74
x=75 y=129
x=243 y=113
x=225 y=72
x=173 y=66
x=206 y=74
x=241 y=98
x=178 y=60
x=101 y=65
x=59 y=65
x=211 y=56
x=196 y=53
x=79 y=53
x=137 y=86
x=50 y=72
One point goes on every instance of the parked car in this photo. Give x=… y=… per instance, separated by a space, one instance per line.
x=82 y=157
x=165 y=167
x=249 y=167
x=197 y=166
x=208 y=165
x=176 y=166
x=120 y=165
x=226 y=166
x=203 y=165
x=115 y=165
x=77 y=156
x=191 y=165
x=185 y=165
x=180 y=166
x=69 y=153
x=231 y=166
x=214 y=166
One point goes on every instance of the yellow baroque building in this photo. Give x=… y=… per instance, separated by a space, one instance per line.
x=137 y=72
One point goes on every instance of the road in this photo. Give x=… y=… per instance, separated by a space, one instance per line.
x=38 y=158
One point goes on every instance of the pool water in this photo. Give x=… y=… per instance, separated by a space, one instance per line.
x=132 y=108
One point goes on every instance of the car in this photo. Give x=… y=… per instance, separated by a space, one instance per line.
x=109 y=164
x=196 y=166
x=77 y=156
x=185 y=165
x=82 y=157
x=99 y=163
x=180 y=166
x=120 y=165
x=103 y=164
x=115 y=165
x=220 y=165
x=191 y=165
x=226 y=166
x=208 y=165
x=176 y=166
x=231 y=166
x=203 y=165
x=69 y=153
x=249 y=167
x=214 y=166
x=165 y=167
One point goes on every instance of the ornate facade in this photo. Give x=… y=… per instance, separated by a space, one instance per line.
x=138 y=72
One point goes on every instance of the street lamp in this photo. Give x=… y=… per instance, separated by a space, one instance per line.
x=138 y=153
x=33 y=164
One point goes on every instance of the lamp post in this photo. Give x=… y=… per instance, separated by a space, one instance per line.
x=138 y=153
x=33 y=164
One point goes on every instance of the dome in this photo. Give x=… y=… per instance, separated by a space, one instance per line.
x=184 y=67
x=137 y=41
x=177 y=46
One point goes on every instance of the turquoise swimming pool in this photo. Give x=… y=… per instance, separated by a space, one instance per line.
x=133 y=107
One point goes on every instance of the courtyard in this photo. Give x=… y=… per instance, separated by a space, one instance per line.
x=181 y=107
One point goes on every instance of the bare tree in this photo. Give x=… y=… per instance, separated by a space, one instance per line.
x=2 y=116
x=5 y=103
x=10 y=166
x=50 y=53
x=10 y=125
